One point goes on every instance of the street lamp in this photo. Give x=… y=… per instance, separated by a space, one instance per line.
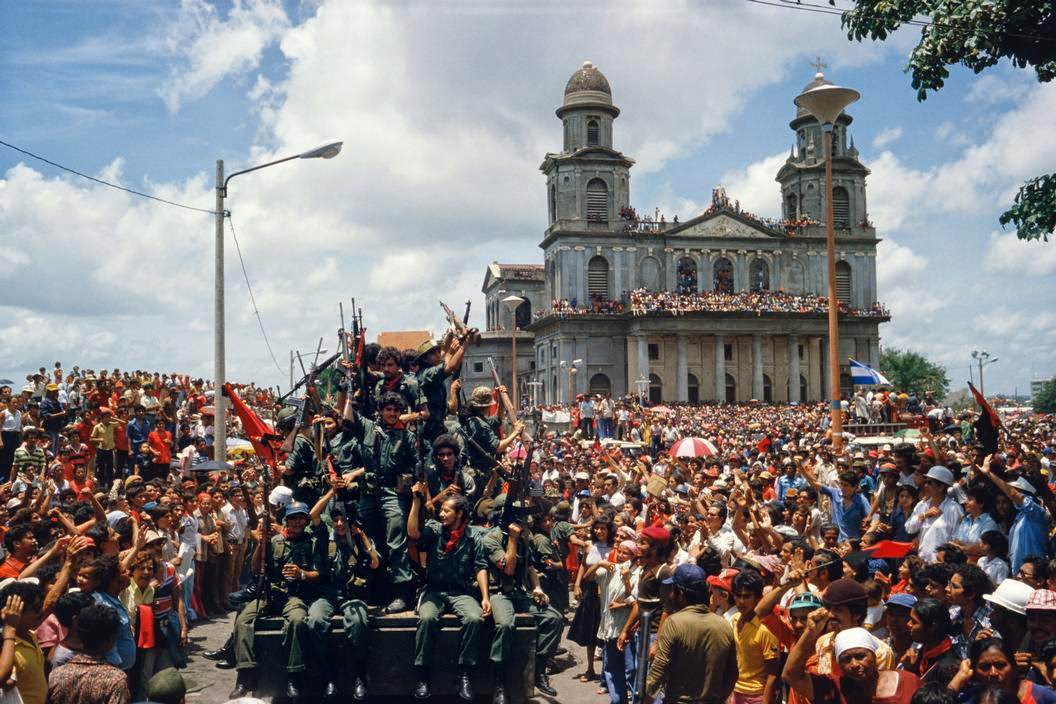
x=982 y=358
x=512 y=303
x=326 y=151
x=825 y=103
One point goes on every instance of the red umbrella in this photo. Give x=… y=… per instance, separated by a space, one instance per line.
x=693 y=447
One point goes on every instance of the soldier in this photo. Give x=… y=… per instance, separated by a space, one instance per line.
x=305 y=467
x=296 y=566
x=353 y=566
x=483 y=446
x=435 y=368
x=517 y=590
x=446 y=476
x=455 y=569
x=390 y=458
x=546 y=559
x=394 y=380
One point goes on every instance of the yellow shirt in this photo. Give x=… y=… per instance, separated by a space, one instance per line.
x=103 y=436
x=29 y=671
x=755 y=645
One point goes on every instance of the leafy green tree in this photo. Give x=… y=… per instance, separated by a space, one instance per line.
x=912 y=371
x=1045 y=400
x=975 y=34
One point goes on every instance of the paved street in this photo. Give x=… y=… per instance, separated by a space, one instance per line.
x=213 y=685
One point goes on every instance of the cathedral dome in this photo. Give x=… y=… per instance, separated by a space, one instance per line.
x=588 y=77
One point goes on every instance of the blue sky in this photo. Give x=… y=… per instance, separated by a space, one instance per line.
x=446 y=110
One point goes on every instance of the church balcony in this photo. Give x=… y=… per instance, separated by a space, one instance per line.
x=666 y=304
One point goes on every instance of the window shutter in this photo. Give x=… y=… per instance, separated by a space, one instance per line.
x=597 y=200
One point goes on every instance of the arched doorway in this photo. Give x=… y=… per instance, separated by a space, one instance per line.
x=687 y=275
x=759 y=275
x=722 y=278
x=656 y=389
x=731 y=389
x=600 y=384
x=694 y=389
x=768 y=389
x=598 y=278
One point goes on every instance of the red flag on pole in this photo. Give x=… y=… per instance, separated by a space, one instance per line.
x=885 y=549
x=259 y=434
x=988 y=423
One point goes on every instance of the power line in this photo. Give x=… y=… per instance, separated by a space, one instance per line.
x=105 y=183
x=252 y=298
x=838 y=11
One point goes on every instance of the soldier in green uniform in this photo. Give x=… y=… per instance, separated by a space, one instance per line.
x=296 y=566
x=394 y=380
x=435 y=368
x=445 y=475
x=546 y=559
x=517 y=590
x=390 y=458
x=305 y=469
x=483 y=446
x=456 y=568
x=352 y=568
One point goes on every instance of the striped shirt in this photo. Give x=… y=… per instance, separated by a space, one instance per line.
x=32 y=461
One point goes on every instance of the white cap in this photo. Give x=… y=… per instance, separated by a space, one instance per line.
x=940 y=474
x=1011 y=594
x=1023 y=485
x=851 y=638
x=280 y=496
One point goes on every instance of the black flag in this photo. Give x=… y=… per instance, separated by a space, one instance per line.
x=987 y=424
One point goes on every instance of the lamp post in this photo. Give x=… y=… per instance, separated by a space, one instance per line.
x=327 y=151
x=512 y=303
x=825 y=103
x=982 y=358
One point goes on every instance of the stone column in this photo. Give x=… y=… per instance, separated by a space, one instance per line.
x=874 y=353
x=757 y=366
x=793 y=368
x=643 y=360
x=720 y=368
x=813 y=368
x=682 y=370
x=826 y=386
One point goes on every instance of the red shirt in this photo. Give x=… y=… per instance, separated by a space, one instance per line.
x=12 y=567
x=160 y=442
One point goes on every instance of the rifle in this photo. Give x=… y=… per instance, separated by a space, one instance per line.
x=305 y=379
x=310 y=402
x=507 y=405
x=518 y=488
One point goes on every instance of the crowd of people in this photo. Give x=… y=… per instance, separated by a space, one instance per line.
x=778 y=563
x=688 y=300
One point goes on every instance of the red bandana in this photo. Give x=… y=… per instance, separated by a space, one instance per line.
x=452 y=541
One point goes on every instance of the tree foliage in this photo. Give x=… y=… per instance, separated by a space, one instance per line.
x=912 y=371
x=1045 y=400
x=976 y=34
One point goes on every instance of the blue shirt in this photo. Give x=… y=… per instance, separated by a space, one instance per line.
x=848 y=518
x=971 y=529
x=1027 y=538
x=137 y=434
x=123 y=654
x=784 y=483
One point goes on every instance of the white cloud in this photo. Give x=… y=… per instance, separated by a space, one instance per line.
x=992 y=88
x=1008 y=254
x=213 y=49
x=754 y=186
x=891 y=134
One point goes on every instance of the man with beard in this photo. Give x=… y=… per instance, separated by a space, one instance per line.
x=455 y=568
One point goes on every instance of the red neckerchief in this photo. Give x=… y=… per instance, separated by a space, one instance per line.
x=456 y=535
x=929 y=656
x=391 y=384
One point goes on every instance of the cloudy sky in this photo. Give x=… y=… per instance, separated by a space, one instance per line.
x=446 y=110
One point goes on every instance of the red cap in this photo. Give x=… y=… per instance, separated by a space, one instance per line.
x=724 y=580
x=657 y=534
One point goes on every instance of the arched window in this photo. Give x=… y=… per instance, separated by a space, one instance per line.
x=524 y=314
x=768 y=389
x=759 y=275
x=600 y=384
x=598 y=278
x=597 y=200
x=791 y=211
x=592 y=133
x=843 y=282
x=649 y=274
x=722 y=278
x=694 y=389
x=656 y=389
x=731 y=389
x=687 y=275
x=802 y=388
x=553 y=203
x=841 y=207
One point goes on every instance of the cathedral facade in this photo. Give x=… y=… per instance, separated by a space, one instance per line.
x=740 y=329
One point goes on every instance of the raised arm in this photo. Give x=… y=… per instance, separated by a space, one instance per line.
x=795 y=673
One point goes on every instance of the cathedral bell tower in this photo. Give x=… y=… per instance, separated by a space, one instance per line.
x=802 y=177
x=588 y=180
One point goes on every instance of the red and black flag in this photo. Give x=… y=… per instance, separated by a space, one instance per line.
x=264 y=440
x=987 y=425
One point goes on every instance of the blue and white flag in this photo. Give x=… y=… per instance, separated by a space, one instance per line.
x=864 y=375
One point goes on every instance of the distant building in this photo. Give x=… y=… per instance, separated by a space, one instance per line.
x=403 y=339
x=1037 y=384
x=597 y=250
